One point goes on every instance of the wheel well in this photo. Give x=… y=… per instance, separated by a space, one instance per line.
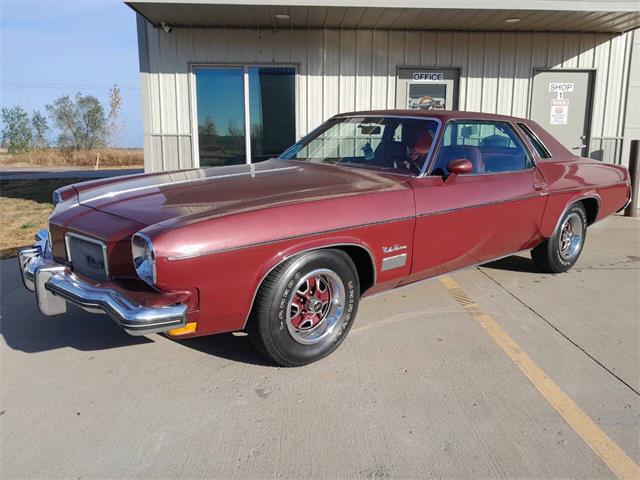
x=364 y=265
x=591 y=206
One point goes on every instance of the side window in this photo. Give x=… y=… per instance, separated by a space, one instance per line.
x=541 y=150
x=491 y=147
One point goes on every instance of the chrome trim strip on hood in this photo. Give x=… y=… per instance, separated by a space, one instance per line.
x=111 y=194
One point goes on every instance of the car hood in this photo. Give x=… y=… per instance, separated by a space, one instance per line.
x=188 y=195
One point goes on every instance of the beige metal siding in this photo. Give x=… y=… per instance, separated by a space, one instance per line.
x=344 y=70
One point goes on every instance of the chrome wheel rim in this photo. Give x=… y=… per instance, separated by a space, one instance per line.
x=314 y=311
x=571 y=233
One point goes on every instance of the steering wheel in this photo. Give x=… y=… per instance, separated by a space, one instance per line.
x=398 y=162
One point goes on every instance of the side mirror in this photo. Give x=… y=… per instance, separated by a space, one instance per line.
x=460 y=166
x=457 y=167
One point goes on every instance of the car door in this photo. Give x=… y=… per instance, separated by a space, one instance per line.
x=493 y=211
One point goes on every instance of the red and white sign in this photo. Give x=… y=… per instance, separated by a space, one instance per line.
x=559 y=111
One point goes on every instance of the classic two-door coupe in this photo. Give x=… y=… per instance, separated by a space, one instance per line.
x=285 y=249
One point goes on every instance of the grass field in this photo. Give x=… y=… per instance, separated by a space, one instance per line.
x=53 y=157
x=25 y=207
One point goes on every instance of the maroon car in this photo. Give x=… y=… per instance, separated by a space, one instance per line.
x=285 y=249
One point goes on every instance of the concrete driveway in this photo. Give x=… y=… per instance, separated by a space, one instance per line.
x=497 y=371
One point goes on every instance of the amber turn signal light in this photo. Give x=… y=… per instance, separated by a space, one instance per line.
x=188 y=328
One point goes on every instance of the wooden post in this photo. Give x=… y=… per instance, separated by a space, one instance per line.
x=97 y=161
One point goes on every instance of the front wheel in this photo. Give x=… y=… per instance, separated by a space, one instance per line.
x=305 y=307
x=560 y=252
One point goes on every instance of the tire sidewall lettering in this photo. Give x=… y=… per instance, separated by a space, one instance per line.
x=282 y=336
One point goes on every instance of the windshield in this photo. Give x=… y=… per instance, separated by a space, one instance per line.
x=394 y=144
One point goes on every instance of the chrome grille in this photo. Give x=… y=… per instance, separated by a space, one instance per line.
x=88 y=257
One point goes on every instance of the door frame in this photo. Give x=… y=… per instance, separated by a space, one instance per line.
x=456 y=84
x=193 y=101
x=593 y=76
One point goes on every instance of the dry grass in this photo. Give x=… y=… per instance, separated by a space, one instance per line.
x=54 y=157
x=25 y=207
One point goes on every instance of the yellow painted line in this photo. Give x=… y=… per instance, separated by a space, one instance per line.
x=610 y=453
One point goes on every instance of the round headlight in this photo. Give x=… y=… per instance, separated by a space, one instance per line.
x=144 y=259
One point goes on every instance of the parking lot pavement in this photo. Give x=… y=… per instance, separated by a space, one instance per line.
x=420 y=388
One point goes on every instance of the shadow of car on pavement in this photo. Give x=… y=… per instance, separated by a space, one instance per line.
x=24 y=328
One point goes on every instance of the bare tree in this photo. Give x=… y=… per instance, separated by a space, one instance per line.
x=115 y=124
x=233 y=129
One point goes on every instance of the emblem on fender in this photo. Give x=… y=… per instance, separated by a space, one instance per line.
x=394 y=248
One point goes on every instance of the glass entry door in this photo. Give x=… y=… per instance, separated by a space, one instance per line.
x=220 y=104
x=245 y=114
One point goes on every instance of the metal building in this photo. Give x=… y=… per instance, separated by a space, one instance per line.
x=229 y=82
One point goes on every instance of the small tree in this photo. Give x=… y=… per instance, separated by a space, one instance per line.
x=16 y=134
x=115 y=125
x=81 y=121
x=208 y=132
x=39 y=127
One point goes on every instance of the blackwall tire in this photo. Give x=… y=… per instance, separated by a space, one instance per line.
x=305 y=307
x=561 y=251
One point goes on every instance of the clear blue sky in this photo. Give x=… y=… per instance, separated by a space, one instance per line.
x=55 y=47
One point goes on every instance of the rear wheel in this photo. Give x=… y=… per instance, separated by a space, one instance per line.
x=305 y=307
x=560 y=252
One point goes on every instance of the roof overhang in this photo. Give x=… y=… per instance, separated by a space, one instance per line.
x=488 y=15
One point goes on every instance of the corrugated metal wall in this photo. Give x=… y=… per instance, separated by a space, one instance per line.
x=344 y=70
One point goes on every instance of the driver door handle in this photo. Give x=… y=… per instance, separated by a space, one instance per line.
x=539 y=186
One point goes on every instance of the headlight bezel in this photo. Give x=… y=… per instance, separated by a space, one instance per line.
x=64 y=198
x=144 y=258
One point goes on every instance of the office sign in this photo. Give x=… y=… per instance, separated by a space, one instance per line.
x=428 y=76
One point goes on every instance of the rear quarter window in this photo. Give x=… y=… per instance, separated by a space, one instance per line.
x=539 y=147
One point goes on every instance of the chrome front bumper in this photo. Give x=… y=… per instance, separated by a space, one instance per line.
x=54 y=288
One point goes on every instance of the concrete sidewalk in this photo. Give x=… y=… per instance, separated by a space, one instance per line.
x=417 y=390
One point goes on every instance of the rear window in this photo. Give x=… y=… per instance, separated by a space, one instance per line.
x=540 y=149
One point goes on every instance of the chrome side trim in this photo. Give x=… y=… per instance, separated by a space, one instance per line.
x=69 y=235
x=486 y=204
x=577 y=189
x=466 y=267
x=323 y=247
x=396 y=261
x=284 y=239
